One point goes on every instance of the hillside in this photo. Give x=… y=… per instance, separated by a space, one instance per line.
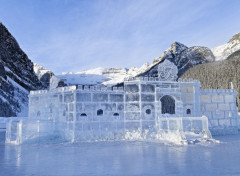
x=219 y=74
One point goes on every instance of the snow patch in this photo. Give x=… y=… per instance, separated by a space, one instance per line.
x=223 y=51
x=39 y=70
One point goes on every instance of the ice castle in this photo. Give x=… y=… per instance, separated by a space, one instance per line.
x=142 y=108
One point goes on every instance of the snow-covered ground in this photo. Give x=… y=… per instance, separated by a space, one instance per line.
x=122 y=158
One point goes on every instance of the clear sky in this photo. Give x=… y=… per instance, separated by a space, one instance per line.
x=74 y=35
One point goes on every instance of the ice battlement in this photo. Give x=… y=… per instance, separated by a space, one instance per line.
x=55 y=90
x=218 y=91
x=156 y=79
x=100 y=88
x=78 y=88
x=188 y=80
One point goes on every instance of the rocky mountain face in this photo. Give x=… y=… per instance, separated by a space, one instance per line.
x=17 y=77
x=223 y=51
x=183 y=57
x=45 y=76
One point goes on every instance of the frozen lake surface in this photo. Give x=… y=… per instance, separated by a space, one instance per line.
x=121 y=158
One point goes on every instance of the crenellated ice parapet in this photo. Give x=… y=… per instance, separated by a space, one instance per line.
x=78 y=88
x=56 y=90
x=218 y=91
x=188 y=80
x=156 y=79
x=99 y=88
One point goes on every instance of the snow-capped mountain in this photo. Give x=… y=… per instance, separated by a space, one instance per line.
x=183 y=57
x=95 y=76
x=45 y=75
x=40 y=70
x=225 y=50
x=17 y=77
x=105 y=76
x=178 y=53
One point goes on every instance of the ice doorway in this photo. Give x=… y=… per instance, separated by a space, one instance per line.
x=168 y=104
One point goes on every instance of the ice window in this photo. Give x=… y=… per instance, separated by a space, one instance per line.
x=115 y=114
x=188 y=111
x=100 y=112
x=148 y=111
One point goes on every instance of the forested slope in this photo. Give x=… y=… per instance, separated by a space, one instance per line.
x=218 y=75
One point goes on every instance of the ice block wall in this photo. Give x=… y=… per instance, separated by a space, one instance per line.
x=219 y=105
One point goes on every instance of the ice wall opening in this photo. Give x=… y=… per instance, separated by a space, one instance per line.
x=188 y=111
x=148 y=111
x=168 y=104
x=100 y=112
x=116 y=114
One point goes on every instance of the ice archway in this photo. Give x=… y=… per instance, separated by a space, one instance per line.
x=168 y=104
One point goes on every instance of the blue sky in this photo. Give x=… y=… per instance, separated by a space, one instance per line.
x=74 y=35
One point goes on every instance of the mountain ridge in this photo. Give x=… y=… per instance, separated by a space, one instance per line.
x=182 y=56
x=17 y=77
x=223 y=51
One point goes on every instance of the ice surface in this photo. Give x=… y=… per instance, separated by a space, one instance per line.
x=122 y=158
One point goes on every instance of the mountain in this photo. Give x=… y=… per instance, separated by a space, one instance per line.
x=45 y=75
x=179 y=54
x=223 y=51
x=17 y=77
x=109 y=76
x=183 y=57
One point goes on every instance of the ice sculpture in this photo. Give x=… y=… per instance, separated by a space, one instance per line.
x=143 y=108
x=176 y=130
x=167 y=71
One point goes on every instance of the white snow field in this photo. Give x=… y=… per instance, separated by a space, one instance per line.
x=121 y=158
